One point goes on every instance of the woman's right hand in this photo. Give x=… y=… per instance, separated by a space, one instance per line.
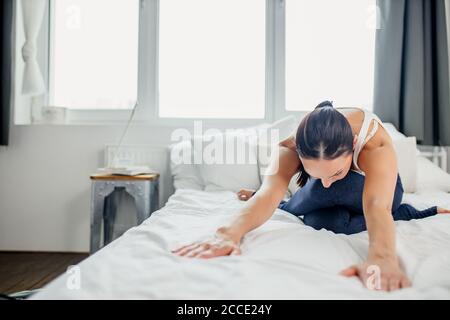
x=217 y=246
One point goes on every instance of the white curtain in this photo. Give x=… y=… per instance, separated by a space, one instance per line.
x=33 y=14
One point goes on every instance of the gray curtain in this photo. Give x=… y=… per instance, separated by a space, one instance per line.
x=411 y=69
x=5 y=69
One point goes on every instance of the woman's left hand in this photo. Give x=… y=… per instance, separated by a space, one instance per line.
x=379 y=274
x=245 y=194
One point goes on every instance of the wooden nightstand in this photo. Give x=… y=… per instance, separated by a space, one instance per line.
x=104 y=202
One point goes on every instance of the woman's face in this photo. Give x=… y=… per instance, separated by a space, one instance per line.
x=329 y=171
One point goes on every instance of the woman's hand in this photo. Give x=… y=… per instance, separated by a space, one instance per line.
x=379 y=274
x=245 y=194
x=219 y=245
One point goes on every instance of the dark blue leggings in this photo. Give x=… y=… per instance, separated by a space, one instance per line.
x=339 y=208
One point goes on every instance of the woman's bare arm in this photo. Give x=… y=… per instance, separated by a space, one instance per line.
x=255 y=212
x=378 y=194
x=380 y=168
x=262 y=205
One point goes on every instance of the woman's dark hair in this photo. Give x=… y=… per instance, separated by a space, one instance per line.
x=324 y=133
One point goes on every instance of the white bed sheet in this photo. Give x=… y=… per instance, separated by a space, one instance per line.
x=283 y=259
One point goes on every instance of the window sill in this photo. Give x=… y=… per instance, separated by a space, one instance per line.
x=151 y=122
x=55 y=116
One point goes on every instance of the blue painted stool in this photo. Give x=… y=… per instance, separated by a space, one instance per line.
x=105 y=193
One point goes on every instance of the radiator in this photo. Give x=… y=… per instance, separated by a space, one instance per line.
x=436 y=154
x=156 y=158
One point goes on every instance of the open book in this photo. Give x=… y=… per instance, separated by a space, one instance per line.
x=127 y=170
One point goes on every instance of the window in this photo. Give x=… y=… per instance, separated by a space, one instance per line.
x=329 y=53
x=207 y=59
x=94 y=61
x=211 y=58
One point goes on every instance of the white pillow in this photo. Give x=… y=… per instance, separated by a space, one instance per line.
x=185 y=174
x=406 y=151
x=284 y=128
x=395 y=134
x=430 y=176
x=227 y=161
x=393 y=131
x=232 y=171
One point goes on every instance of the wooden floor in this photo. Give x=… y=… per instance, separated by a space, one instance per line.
x=21 y=271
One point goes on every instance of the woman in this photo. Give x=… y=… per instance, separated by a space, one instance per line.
x=347 y=171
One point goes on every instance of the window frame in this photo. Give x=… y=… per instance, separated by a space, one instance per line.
x=148 y=110
x=110 y=116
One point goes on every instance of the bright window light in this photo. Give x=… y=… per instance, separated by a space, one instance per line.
x=95 y=54
x=212 y=58
x=329 y=53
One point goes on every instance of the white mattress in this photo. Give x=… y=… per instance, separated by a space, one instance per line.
x=283 y=259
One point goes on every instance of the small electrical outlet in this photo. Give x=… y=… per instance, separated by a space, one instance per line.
x=55 y=115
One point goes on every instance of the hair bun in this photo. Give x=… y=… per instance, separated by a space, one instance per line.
x=324 y=104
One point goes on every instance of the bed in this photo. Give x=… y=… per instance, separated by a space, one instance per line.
x=282 y=259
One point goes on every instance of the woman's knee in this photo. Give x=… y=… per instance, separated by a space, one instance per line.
x=314 y=220
x=317 y=189
x=333 y=219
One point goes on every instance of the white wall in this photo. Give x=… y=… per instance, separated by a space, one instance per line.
x=45 y=186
